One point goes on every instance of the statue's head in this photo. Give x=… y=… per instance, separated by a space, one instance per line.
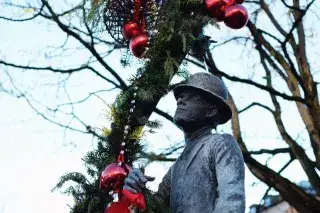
x=201 y=101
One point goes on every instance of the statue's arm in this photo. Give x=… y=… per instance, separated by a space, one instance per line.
x=165 y=188
x=230 y=171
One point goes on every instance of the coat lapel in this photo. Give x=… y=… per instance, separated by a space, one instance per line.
x=194 y=150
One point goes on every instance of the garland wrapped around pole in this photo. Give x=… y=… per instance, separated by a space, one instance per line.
x=156 y=75
x=170 y=28
x=163 y=63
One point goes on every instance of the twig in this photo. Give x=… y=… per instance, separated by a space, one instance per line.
x=257 y=104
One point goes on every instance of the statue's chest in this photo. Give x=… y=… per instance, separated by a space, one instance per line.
x=191 y=167
x=193 y=177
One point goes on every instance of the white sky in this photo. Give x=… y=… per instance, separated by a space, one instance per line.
x=35 y=153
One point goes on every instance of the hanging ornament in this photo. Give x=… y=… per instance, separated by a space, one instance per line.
x=126 y=19
x=239 y=1
x=123 y=206
x=136 y=199
x=115 y=15
x=217 y=8
x=138 y=44
x=130 y=30
x=113 y=177
x=236 y=16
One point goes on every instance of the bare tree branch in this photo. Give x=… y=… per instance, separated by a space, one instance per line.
x=291 y=7
x=58 y=70
x=311 y=114
x=233 y=39
x=271 y=152
x=273 y=64
x=270 y=35
x=164 y=114
x=250 y=82
x=92 y=49
x=24 y=95
x=256 y=104
x=266 y=9
x=297 y=150
x=285 y=187
x=269 y=188
x=172 y=150
x=260 y=40
x=297 y=21
x=82 y=100
x=70 y=71
x=24 y=19
x=154 y=157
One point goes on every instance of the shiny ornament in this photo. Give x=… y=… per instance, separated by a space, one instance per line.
x=236 y=16
x=130 y=30
x=136 y=199
x=123 y=206
x=138 y=44
x=217 y=8
x=113 y=177
x=239 y=1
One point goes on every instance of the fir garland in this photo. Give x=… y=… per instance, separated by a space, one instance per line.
x=181 y=20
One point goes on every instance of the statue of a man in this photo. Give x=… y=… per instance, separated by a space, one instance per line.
x=208 y=177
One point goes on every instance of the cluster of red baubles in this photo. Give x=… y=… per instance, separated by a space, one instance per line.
x=231 y=12
x=137 y=36
x=112 y=178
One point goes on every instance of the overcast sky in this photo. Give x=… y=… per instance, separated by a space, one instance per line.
x=35 y=153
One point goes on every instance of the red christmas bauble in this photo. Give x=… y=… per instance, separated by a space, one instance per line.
x=113 y=177
x=236 y=16
x=119 y=207
x=217 y=8
x=136 y=199
x=130 y=29
x=138 y=44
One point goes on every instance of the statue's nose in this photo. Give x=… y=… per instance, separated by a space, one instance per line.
x=180 y=101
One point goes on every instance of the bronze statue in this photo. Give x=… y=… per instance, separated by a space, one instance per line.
x=208 y=177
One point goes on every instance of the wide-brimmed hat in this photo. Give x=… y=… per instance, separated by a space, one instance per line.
x=213 y=87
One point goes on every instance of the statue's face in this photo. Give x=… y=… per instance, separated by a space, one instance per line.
x=192 y=107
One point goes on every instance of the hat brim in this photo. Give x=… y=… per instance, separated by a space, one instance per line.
x=223 y=106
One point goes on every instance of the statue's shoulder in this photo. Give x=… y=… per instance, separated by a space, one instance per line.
x=224 y=139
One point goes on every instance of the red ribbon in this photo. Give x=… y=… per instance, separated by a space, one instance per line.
x=136 y=199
